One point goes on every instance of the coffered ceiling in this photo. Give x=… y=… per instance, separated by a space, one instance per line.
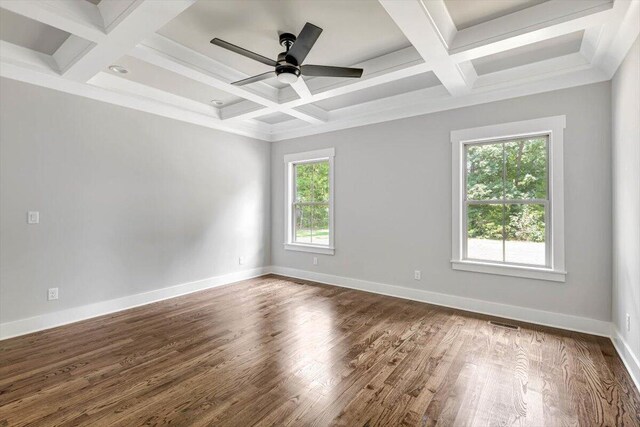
x=418 y=56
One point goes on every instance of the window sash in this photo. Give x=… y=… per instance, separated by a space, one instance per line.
x=295 y=204
x=504 y=202
x=547 y=232
x=467 y=145
x=294 y=208
x=295 y=165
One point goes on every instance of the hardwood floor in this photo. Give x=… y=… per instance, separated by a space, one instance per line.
x=278 y=351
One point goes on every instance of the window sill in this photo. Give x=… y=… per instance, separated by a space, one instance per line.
x=309 y=248
x=510 y=270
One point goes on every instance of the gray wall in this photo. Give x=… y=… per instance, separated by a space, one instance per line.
x=393 y=203
x=129 y=202
x=626 y=197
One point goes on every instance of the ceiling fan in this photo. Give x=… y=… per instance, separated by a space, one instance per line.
x=289 y=65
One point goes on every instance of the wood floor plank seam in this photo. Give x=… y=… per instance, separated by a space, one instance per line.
x=279 y=351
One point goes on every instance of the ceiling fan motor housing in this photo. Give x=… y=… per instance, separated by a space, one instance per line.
x=287 y=73
x=291 y=71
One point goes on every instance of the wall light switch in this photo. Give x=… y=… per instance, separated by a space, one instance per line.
x=241 y=260
x=52 y=294
x=315 y=260
x=33 y=217
x=417 y=275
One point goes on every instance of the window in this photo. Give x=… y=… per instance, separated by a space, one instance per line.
x=507 y=199
x=309 y=201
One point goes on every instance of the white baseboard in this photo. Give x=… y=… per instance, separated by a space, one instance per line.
x=631 y=361
x=530 y=315
x=556 y=320
x=75 y=314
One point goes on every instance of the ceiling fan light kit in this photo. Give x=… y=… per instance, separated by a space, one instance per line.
x=288 y=68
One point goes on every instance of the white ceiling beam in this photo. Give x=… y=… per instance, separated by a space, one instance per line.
x=77 y=17
x=418 y=25
x=371 y=81
x=189 y=56
x=399 y=64
x=243 y=110
x=56 y=82
x=536 y=71
x=590 y=41
x=143 y=18
x=301 y=88
x=610 y=29
x=11 y=54
x=70 y=51
x=317 y=112
x=614 y=39
x=426 y=101
x=120 y=84
x=377 y=71
x=182 y=63
x=537 y=23
x=196 y=66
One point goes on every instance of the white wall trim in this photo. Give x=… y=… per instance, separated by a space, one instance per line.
x=540 y=317
x=113 y=28
x=546 y=318
x=509 y=270
x=530 y=315
x=553 y=127
x=76 y=314
x=316 y=249
x=631 y=361
x=290 y=160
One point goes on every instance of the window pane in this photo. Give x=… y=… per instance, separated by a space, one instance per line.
x=526 y=168
x=320 y=227
x=303 y=218
x=484 y=171
x=525 y=226
x=321 y=182
x=304 y=182
x=484 y=232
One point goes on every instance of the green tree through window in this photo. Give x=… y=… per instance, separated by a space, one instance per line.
x=507 y=200
x=311 y=204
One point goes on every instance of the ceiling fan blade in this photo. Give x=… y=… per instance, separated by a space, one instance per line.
x=326 y=71
x=244 y=52
x=303 y=44
x=254 y=79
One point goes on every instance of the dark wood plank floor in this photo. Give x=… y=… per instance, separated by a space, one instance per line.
x=277 y=351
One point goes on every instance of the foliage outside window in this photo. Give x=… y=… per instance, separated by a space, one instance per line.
x=508 y=199
x=311 y=205
x=506 y=203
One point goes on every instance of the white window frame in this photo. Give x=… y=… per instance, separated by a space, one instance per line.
x=554 y=128
x=290 y=160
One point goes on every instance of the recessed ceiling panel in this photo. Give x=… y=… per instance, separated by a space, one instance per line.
x=274 y=118
x=31 y=34
x=159 y=78
x=409 y=84
x=354 y=31
x=551 y=48
x=467 y=13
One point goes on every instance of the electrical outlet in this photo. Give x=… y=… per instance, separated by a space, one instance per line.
x=628 y=322
x=417 y=275
x=241 y=260
x=315 y=260
x=52 y=294
x=33 y=217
